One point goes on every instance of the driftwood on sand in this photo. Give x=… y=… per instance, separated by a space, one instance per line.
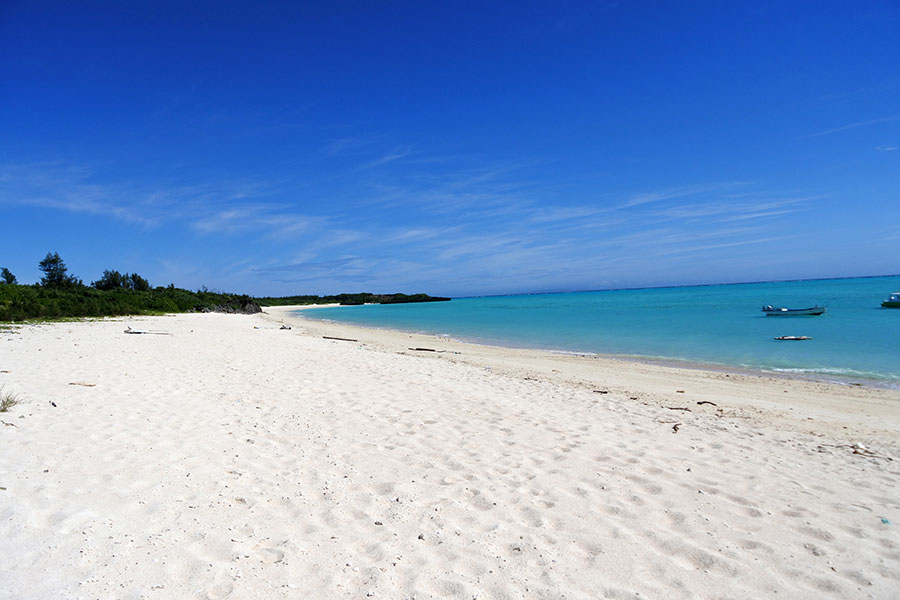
x=139 y=332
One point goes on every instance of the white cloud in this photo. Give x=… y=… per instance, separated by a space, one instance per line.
x=678 y=192
x=855 y=125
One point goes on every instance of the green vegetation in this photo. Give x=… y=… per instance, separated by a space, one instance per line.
x=113 y=280
x=56 y=274
x=7 y=401
x=60 y=295
x=350 y=299
x=22 y=302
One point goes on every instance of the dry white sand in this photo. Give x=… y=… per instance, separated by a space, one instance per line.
x=234 y=459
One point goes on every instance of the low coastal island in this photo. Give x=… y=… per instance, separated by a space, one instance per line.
x=227 y=456
x=351 y=299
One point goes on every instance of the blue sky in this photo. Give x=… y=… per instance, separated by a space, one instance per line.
x=455 y=148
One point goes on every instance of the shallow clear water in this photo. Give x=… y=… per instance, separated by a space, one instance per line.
x=855 y=340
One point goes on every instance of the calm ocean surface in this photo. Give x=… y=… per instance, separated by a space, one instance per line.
x=855 y=341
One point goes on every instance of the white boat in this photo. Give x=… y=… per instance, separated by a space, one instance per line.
x=773 y=311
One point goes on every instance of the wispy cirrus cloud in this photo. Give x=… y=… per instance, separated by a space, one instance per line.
x=337 y=269
x=221 y=206
x=678 y=192
x=743 y=208
x=687 y=247
x=369 y=153
x=557 y=214
x=314 y=266
x=854 y=125
x=69 y=188
x=464 y=194
x=421 y=234
x=275 y=221
x=391 y=156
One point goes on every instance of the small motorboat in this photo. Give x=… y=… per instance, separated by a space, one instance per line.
x=893 y=301
x=793 y=337
x=777 y=311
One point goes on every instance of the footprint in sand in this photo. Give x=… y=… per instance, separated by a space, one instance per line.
x=220 y=589
x=272 y=555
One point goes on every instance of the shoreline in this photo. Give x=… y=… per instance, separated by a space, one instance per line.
x=875 y=382
x=769 y=398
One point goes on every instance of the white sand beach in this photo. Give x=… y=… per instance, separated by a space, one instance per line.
x=220 y=456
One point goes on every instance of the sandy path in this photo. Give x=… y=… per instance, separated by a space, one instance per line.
x=232 y=459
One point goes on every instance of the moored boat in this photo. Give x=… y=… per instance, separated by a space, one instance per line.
x=893 y=301
x=777 y=311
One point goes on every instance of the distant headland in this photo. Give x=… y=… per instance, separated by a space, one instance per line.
x=351 y=299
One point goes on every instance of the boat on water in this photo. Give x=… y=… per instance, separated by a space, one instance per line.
x=777 y=311
x=893 y=301
x=793 y=338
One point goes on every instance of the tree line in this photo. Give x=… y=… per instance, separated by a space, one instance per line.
x=56 y=276
x=60 y=294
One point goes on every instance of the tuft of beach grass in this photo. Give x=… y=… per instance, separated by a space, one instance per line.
x=7 y=400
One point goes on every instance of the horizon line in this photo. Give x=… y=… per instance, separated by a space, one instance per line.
x=691 y=285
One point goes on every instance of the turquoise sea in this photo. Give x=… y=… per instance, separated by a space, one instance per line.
x=856 y=341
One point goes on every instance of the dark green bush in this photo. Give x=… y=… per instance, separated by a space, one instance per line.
x=21 y=302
